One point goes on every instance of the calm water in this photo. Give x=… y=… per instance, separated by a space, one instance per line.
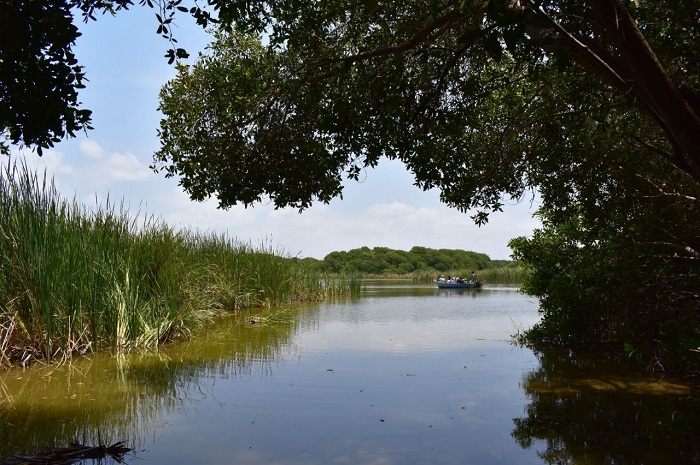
x=404 y=375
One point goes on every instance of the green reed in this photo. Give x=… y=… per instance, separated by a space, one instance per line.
x=74 y=279
x=342 y=285
x=501 y=275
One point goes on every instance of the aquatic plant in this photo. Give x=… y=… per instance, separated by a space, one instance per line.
x=502 y=275
x=74 y=279
x=343 y=284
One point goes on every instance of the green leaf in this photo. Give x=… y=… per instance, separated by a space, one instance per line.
x=493 y=46
x=471 y=36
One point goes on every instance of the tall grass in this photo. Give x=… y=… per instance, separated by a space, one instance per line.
x=500 y=275
x=342 y=285
x=74 y=279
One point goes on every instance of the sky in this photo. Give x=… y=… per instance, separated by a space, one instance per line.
x=124 y=62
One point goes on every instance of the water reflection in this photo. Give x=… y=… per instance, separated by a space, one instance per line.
x=600 y=412
x=458 y=292
x=404 y=375
x=103 y=399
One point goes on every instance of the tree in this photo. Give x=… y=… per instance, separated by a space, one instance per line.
x=40 y=76
x=593 y=103
x=479 y=99
x=382 y=260
x=619 y=268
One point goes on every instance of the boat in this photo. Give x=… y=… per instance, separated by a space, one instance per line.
x=457 y=284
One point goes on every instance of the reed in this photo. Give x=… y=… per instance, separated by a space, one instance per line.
x=503 y=275
x=342 y=285
x=74 y=279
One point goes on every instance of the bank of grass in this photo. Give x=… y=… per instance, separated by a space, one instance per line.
x=342 y=285
x=502 y=275
x=75 y=279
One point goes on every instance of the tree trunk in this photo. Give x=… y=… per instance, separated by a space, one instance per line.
x=662 y=99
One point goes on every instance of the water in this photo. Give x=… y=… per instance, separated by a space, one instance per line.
x=404 y=375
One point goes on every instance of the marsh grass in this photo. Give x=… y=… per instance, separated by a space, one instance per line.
x=500 y=275
x=74 y=279
x=342 y=285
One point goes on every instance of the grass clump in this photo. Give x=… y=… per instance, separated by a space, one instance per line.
x=74 y=280
x=502 y=275
x=341 y=285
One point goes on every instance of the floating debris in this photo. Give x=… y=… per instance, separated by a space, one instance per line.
x=69 y=455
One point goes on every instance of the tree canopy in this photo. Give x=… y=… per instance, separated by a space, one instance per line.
x=383 y=260
x=480 y=99
x=40 y=76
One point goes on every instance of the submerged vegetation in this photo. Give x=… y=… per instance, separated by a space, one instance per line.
x=74 y=279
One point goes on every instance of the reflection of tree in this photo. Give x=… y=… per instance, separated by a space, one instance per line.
x=595 y=412
x=105 y=400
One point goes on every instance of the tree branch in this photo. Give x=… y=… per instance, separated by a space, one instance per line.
x=439 y=26
x=686 y=251
x=680 y=122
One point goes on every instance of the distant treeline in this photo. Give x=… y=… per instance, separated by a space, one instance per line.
x=383 y=260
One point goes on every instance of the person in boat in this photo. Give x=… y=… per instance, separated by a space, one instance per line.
x=473 y=277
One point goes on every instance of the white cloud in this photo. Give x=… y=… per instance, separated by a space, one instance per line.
x=91 y=149
x=102 y=168
x=123 y=167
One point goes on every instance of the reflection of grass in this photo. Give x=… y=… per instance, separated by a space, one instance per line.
x=74 y=280
x=104 y=399
x=281 y=315
x=49 y=407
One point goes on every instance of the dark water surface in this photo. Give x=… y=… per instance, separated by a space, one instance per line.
x=404 y=375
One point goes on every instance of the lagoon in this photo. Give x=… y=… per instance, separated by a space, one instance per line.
x=405 y=374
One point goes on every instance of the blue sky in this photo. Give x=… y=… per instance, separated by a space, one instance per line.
x=125 y=66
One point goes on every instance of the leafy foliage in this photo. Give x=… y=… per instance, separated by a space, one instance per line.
x=383 y=260
x=621 y=269
x=594 y=104
x=479 y=99
x=40 y=76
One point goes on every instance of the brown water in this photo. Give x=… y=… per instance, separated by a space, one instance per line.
x=404 y=375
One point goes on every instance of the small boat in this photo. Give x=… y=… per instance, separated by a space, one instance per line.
x=457 y=284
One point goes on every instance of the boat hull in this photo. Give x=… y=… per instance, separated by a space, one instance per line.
x=465 y=285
